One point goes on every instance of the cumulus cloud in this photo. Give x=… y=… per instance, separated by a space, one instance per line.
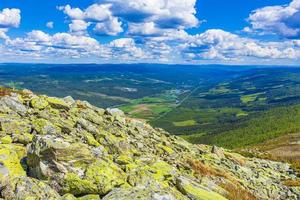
x=10 y=18
x=64 y=44
x=154 y=31
x=98 y=14
x=164 y=13
x=126 y=49
x=110 y=27
x=282 y=19
x=153 y=15
x=222 y=45
x=144 y=29
x=79 y=26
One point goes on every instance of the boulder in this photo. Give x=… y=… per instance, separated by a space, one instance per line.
x=49 y=155
x=57 y=103
x=39 y=103
x=195 y=191
x=25 y=188
x=149 y=192
x=11 y=156
x=100 y=178
x=14 y=103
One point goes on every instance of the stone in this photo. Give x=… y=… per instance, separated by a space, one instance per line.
x=195 y=191
x=218 y=151
x=39 y=103
x=149 y=192
x=57 y=103
x=6 y=140
x=44 y=127
x=10 y=161
x=25 y=188
x=15 y=104
x=115 y=112
x=69 y=101
x=100 y=178
x=49 y=155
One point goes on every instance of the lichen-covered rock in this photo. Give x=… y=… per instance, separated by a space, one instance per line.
x=24 y=188
x=49 y=155
x=57 y=103
x=39 y=103
x=99 y=178
x=10 y=161
x=44 y=127
x=6 y=140
x=144 y=192
x=196 y=191
x=15 y=103
x=52 y=148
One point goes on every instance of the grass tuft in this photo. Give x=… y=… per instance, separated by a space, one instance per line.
x=237 y=193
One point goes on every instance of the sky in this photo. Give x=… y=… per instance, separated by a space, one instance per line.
x=265 y=32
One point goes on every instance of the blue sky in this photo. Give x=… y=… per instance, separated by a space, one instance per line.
x=163 y=31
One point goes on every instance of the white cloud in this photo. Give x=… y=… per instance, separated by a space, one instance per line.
x=10 y=18
x=221 y=45
x=38 y=36
x=155 y=16
x=282 y=19
x=51 y=46
x=73 y=13
x=50 y=25
x=144 y=29
x=98 y=12
x=125 y=49
x=3 y=33
x=165 y=13
x=155 y=31
x=79 y=26
x=110 y=27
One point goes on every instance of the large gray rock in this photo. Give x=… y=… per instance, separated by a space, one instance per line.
x=25 y=188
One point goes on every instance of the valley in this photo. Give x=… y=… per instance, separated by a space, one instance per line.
x=221 y=105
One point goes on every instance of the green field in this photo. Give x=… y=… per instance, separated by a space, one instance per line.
x=185 y=123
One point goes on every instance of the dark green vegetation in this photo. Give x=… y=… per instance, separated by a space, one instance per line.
x=223 y=105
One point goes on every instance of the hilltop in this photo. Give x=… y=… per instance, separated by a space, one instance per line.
x=60 y=148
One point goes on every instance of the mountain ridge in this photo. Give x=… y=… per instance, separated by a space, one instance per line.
x=59 y=148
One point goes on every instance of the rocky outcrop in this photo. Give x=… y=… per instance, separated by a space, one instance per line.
x=52 y=148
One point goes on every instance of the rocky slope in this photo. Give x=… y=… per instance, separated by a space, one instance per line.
x=55 y=148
